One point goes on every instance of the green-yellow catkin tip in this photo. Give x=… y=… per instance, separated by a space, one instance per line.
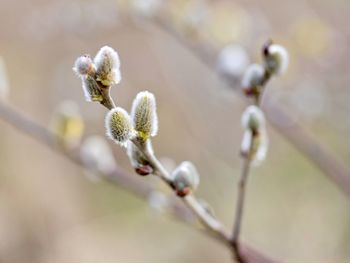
x=185 y=178
x=144 y=115
x=118 y=126
x=107 y=66
x=276 y=59
x=138 y=161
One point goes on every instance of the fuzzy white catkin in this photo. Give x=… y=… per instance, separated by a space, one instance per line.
x=91 y=89
x=232 y=60
x=85 y=69
x=253 y=118
x=107 y=65
x=185 y=175
x=261 y=146
x=107 y=57
x=83 y=65
x=276 y=59
x=144 y=114
x=118 y=126
x=253 y=76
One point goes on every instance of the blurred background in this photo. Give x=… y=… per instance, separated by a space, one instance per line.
x=51 y=212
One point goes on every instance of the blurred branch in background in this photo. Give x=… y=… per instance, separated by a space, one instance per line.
x=43 y=135
x=304 y=209
x=117 y=177
x=293 y=131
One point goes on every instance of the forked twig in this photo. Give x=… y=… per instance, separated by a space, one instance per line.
x=304 y=141
x=121 y=178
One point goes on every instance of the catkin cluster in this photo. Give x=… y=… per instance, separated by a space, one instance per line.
x=275 y=62
x=100 y=73
x=133 y=130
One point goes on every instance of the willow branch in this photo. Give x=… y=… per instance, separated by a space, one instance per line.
x=211 y=223
x=307 y=144
x=117 y=177
x=239 y=209
x=41 y=134
x=107 y=101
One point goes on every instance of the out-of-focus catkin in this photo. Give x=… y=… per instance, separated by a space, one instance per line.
x=138 y=161
x=255 y=141
x=276 y=59
x=185 y=178
x=67 y=124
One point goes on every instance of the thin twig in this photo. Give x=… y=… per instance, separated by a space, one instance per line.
x=239 y=209
x=211 y=223
x=118 y=177
x=206 y=219
x=107 y=101
x=306 y=143
x=30 y=127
